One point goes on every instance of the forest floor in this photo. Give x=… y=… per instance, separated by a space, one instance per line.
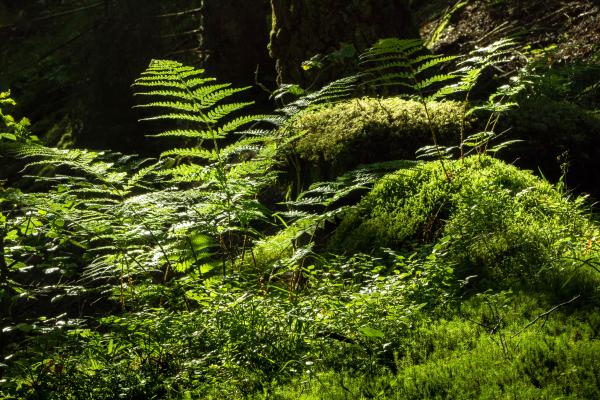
x=572 y=26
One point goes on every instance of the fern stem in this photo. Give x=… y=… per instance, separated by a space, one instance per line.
x=4 y=271
x=434 y=137
x=429 y=121
x=462 y=127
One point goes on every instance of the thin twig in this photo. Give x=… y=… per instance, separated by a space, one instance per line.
x=180 y=13
x=260 y=84
x=4 y=268
x=56 y=15
x=546 y=314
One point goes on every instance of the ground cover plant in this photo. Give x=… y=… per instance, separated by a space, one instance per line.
x=210 y=273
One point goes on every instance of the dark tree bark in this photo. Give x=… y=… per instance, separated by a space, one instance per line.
x=126 y=39
x=303 y=28
x=235 y=37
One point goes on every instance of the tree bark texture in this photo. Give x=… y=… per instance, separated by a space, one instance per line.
x=303 y=28
x=235 y=38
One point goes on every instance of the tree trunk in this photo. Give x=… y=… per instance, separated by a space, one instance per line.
x=235 y=37
x=303 y=28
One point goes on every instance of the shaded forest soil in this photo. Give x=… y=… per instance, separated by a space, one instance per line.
x=573 y=25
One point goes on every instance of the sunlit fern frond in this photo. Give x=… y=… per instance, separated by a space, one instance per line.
x=335 y=91
x=102 y=166
x=471 y=68
x=196 y=153
x=202 y=115
x=405 y=64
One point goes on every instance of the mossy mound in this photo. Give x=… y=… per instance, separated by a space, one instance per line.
x=490 y=218
x=339 y=137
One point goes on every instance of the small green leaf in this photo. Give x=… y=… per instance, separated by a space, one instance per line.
x=371 y=332
x=8 y=136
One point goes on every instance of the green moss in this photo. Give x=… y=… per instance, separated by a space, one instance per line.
x=339 y=137
x=492 y=219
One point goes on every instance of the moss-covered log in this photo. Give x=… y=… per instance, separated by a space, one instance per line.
x=336 y=138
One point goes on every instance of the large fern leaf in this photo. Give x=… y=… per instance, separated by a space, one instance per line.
x=195 y=103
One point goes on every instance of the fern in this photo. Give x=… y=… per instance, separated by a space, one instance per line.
x=402 y=63
x=12 y=130
x=405 y=64
x=226 y=181
x=191 y=99
x=338 y=90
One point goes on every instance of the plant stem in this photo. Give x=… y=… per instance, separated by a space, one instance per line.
x=430 y=123
x=434 y=137
x=3 y=266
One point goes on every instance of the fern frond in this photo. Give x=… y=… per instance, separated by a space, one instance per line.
x=242 y=144
x=170 y=73
x=390 y=65
x=181 y=117
x=190 y=133
x=173 y=105
x=208 y=100
x=210 y=155
x=208 y=90
x=434 y=62
x=397 y=63
x=258 y=170
x=224 y=110
x=176 y=94
x=241 y=121
x=337 y=90
x=186 y=172
x=161 y=83
x=392 y=47
x=137 y=180
x=434 y=80
x=256 y=132
x=83 y=161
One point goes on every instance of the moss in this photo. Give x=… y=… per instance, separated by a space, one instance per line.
x=468 y=357
x=339 y=137
x=491 y=219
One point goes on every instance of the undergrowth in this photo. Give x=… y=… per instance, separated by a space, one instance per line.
x=133 y=278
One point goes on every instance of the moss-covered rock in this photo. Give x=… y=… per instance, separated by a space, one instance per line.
x=493 y=219
x=339 y=137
